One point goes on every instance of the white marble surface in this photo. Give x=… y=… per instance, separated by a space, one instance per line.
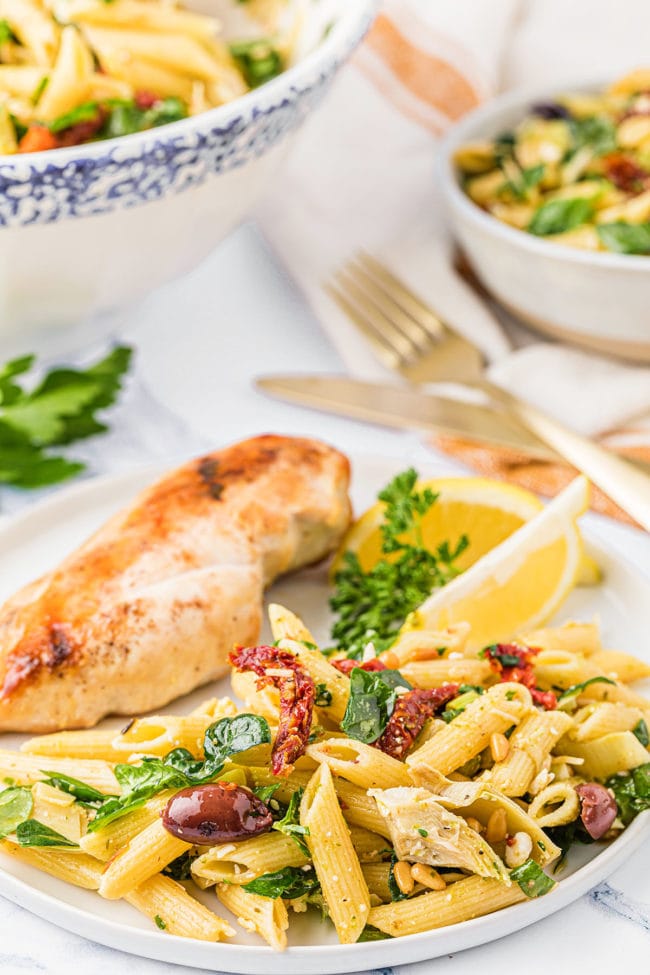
x=198 y=343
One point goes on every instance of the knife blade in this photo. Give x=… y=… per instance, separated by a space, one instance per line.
x=405 y=409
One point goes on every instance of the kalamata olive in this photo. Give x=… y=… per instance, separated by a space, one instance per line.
x=221 y=812
x=598 y=808
x=550 y=110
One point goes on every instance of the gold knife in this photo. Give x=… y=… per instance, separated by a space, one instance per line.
x=405 y=409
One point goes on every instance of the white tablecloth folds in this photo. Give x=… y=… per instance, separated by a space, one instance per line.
x=363 y=175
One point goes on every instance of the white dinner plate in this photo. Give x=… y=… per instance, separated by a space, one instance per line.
x=35 y=541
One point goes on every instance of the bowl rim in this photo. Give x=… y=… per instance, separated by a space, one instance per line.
x=347 y=30
x=489 y=112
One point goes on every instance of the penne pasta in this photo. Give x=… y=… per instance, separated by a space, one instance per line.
x=239 y=863
x=435 y=673
x=360 y=764
x=28 y=769
x=175 y=911
x=528 y=747
x=145 y=855
x=265 y=916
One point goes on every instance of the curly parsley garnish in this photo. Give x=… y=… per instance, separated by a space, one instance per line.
x=372 y=606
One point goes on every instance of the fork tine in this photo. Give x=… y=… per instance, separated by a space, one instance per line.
x=401 y=343
x=402 y=296
x=385 y=352
x=389 y=308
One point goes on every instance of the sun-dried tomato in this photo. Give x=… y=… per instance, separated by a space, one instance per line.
x=625 y=173
x=297 y=693
x=409 y=715
x=346 y=666
x=521 y=673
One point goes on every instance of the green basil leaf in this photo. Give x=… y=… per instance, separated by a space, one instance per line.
x=289 y=882
x=598 y=132
x=625 y=238
x=372 y=934
x=74 y=787
x=371 y=702
x=33 y=833
x=82 y=113
x=16 y=805
x=258 y=61
x=181 y=867
x=568 y=697
x=532 y=879
x=266 y=792
x=558 y=216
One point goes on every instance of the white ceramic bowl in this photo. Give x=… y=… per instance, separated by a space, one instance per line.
x=86 y=230
x=598 y=300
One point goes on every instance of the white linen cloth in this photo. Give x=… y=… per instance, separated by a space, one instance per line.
x=363 y=175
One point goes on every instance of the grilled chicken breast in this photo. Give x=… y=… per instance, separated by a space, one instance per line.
x=150 y=606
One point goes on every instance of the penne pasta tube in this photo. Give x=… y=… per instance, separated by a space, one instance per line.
x=266 y=916
x=369 y=846
x=181 y=54
x=260 y=776
x=75 y=744
x=145 y=855
x=285 y=625
x=335 y=860
x=529 y=746
x=619 y=666
x=71 y=74
x=239 y=863
x=435 y=673
x=75 y=868
x=359 y=809
x=175 y=911
x=578 y=638
x=28 y=769
x=501 y=707
x=430 y=644
x=104 y=843
x=617 y=752
x=376 y=876
x=461 y=901
x=361 y=764
x=603 y=718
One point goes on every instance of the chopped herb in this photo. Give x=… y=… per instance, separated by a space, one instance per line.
x=422 y=831
x=532 y=879
x=558 y=216
x=568 y=698
x=510 y=695
x=6 y=33
x=289 y=882
x=40 y=88
x=61 y=408
x=631 y=791
x=372 y=606
x=15 y=807
x=640 y=730
x=441 y=651
x=323 y=697
x=502 y=656
x=159 y=922
x=266 y=792
x=542 y=846
x=82 y=113
x=258 y=61
x=290 y=822
x=625 y=238
x=450 y=713
x=371 y=702
x=33 y=833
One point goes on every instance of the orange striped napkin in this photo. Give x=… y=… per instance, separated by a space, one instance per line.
x=362 y=175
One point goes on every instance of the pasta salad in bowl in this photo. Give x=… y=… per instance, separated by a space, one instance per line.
x=549 y=195
x=135 y=134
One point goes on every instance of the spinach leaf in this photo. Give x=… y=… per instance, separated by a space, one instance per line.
x=631 y=791
x=181 y=867
x=83 y=793
x=160 y=923
x=532 y=879
x=323 y=697
x=597 y=132
x=640 y=730
x=87 y=112
x=15 y=806
x=625 y=238
x=523 y=182
x=229 y=736
x=125 y=117
x=266 y=792
x=258 y=61
x=290 y=882
x=371 y=702
x=558 y=216
x=565 y=836
x=290 y=822
x=33 y=833
x=372 y=934
x=569 y=697
x=6 y=33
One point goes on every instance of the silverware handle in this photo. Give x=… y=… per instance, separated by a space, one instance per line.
x=620 y=480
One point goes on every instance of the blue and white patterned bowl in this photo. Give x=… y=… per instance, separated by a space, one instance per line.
x=86 y=230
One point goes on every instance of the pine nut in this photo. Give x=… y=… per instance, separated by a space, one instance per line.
x=499 y=746
x=474 y=824
x=518 y=850
x=390 y=659
x=427 y=876
x=497 y=826
x=402 y=872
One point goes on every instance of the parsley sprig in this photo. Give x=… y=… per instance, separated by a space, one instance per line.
x=372 y=606
x=59 y=410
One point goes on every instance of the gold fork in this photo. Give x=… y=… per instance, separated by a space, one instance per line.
x=410 y=338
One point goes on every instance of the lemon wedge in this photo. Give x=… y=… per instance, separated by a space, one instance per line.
x=520 y=583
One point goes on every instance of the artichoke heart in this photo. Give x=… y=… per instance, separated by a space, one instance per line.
x=423 y=831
